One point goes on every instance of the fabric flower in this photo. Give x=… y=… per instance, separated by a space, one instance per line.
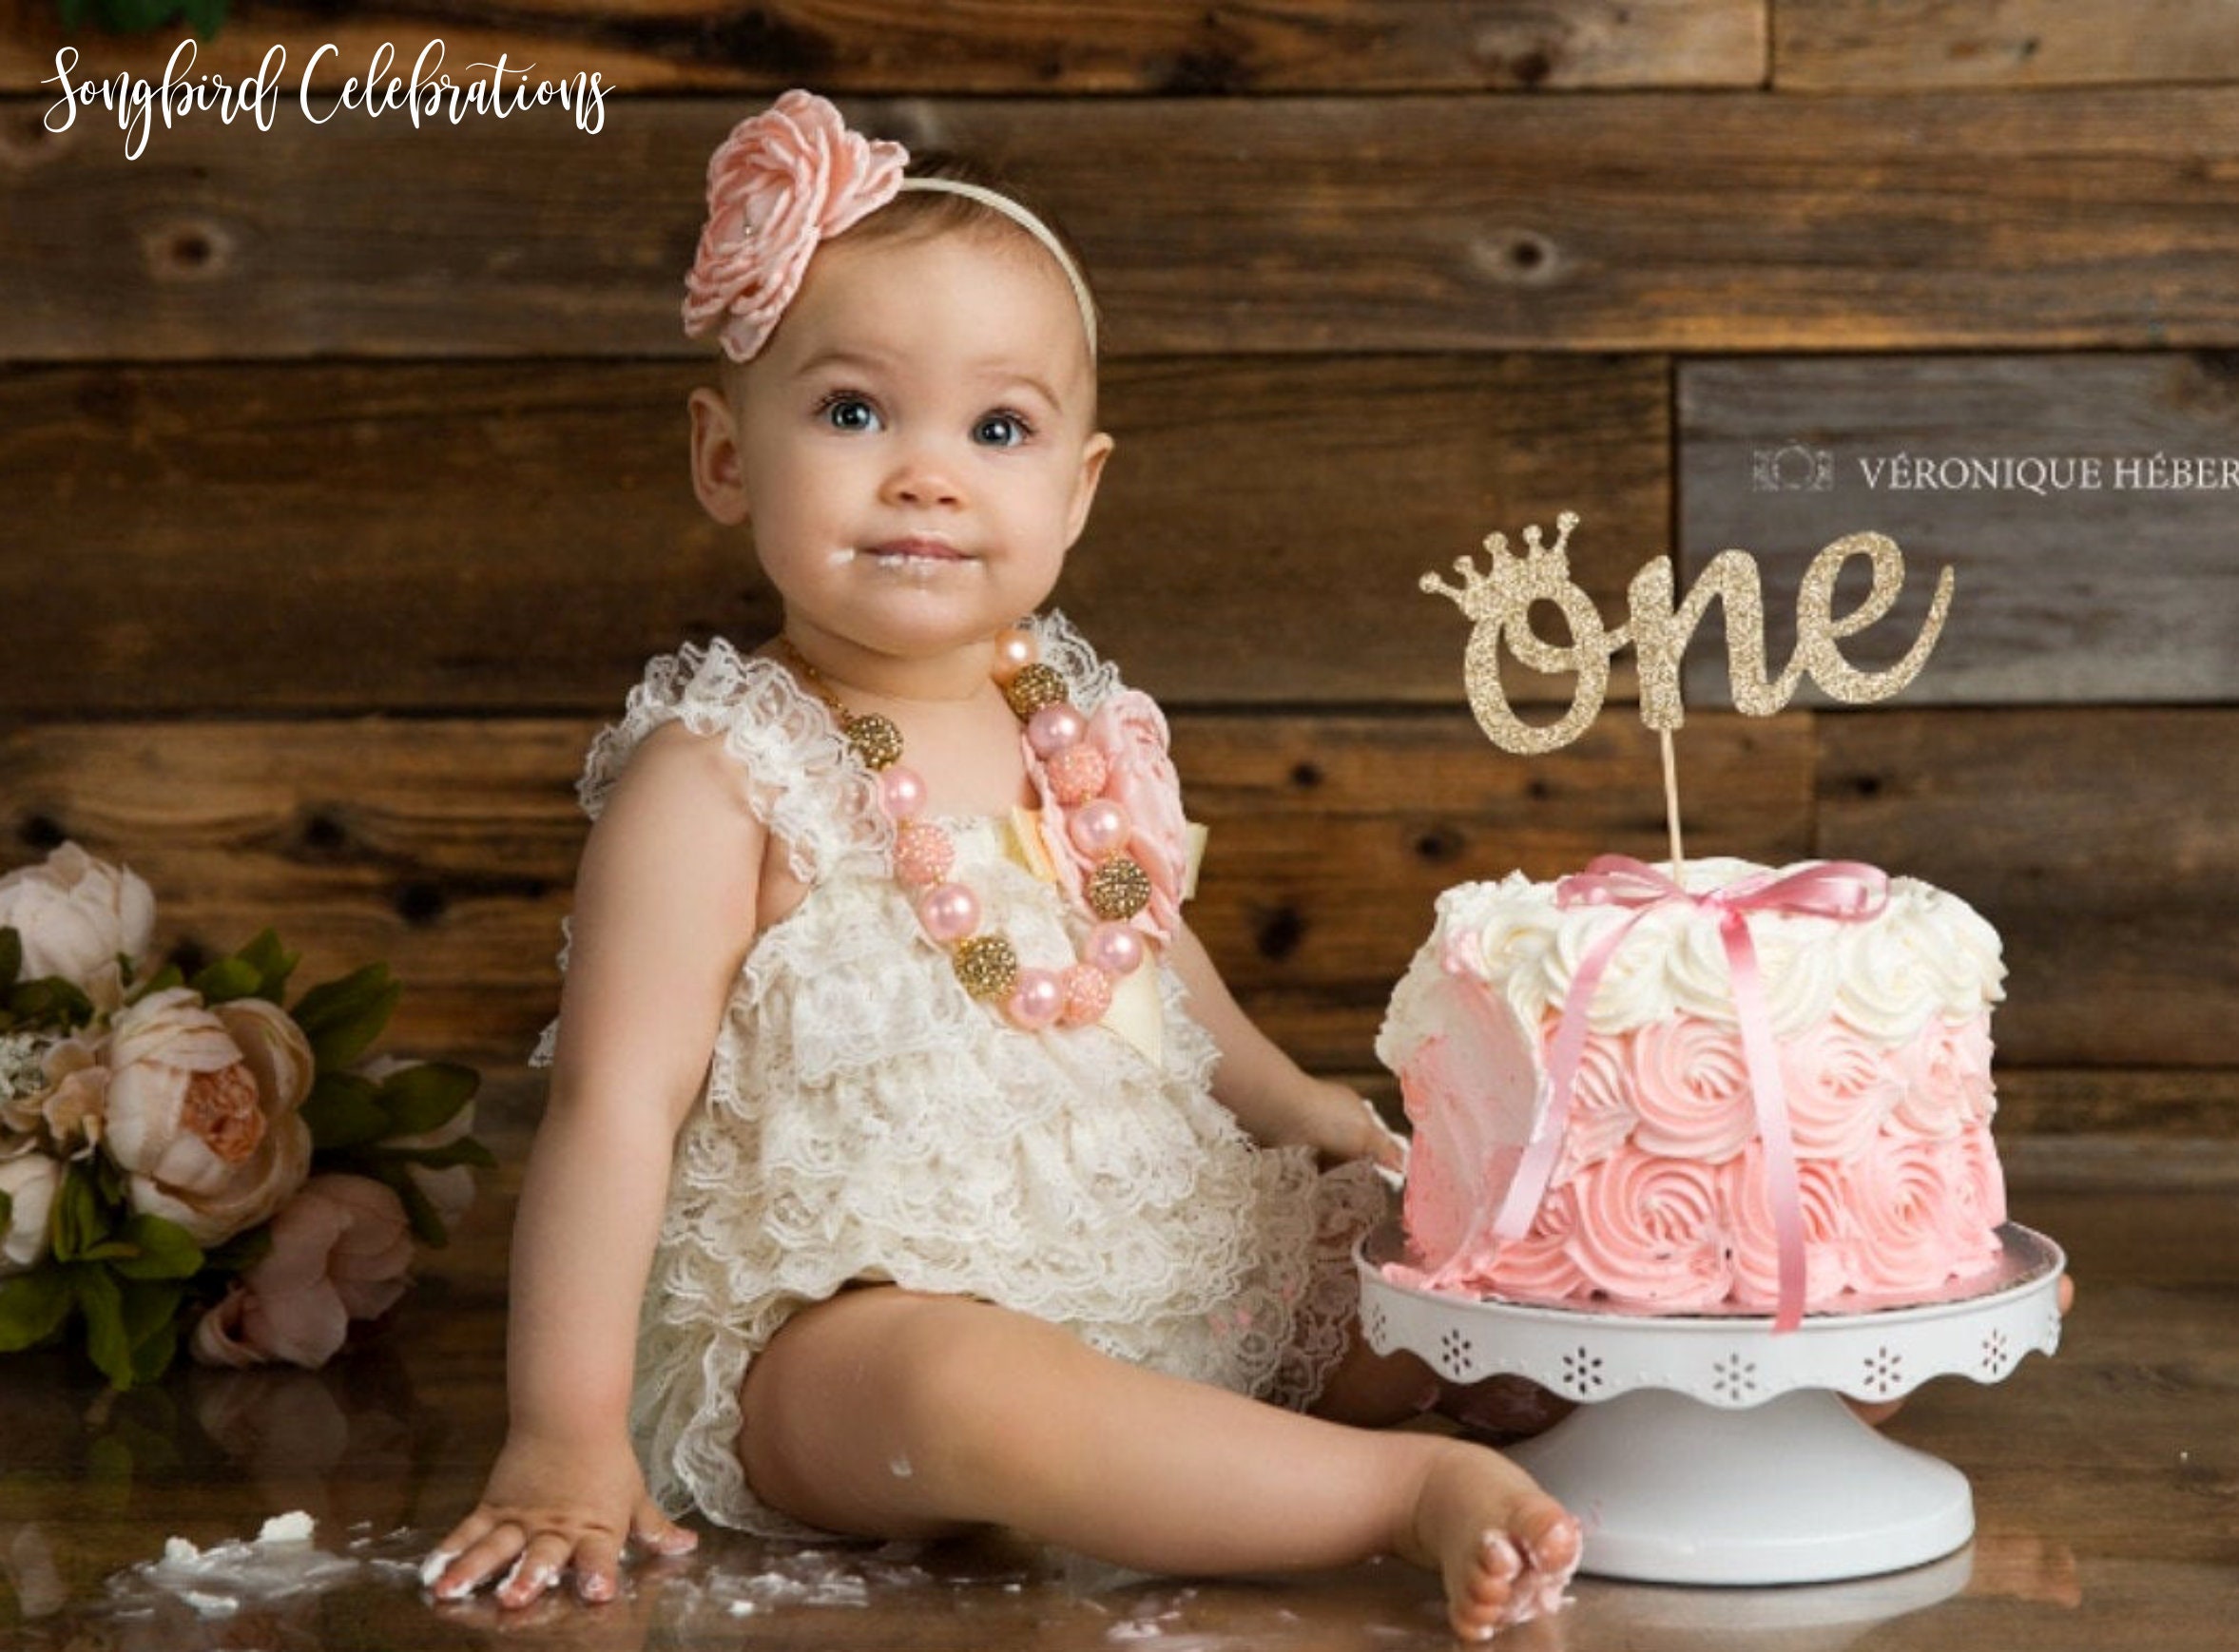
x=784 y=181
x=30 y=1182
x=1129 y=732
x=71 y=1106
x=203 y=1111
x=76 y=915
x=339 y=1251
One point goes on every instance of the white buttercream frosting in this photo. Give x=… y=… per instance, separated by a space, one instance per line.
x=1927 y=954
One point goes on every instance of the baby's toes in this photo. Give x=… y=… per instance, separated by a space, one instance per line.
x=1480 y=1606
x=1551 y=1539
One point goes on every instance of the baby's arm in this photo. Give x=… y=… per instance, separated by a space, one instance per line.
x=1271 y=1096
x=664 y=907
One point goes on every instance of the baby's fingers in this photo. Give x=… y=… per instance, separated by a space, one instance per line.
x=653 y=1530
x=535 y=1572
x=486 y=1543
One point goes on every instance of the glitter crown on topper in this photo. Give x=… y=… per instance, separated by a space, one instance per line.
x=1500 y=601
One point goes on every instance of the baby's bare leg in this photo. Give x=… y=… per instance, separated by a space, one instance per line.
x=889 y=1414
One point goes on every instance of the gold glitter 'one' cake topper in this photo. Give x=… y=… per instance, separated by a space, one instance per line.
x=1500 y=601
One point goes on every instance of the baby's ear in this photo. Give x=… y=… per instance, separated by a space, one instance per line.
x=1093 y=453
x=719 y=478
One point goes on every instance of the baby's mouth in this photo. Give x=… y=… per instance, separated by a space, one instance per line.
x=913 y=551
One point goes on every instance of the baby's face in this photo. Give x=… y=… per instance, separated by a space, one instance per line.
x=916 y=441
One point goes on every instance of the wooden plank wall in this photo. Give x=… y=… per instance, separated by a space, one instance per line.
x=342 y=483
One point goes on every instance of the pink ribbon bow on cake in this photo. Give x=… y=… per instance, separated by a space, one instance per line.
x=1843 y=890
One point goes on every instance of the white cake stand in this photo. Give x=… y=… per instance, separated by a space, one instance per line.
x=1708 y=1450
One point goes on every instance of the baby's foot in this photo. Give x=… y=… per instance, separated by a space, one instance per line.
x=1504 y=1547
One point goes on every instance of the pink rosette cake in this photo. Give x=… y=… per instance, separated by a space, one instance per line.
x=1663 y=1190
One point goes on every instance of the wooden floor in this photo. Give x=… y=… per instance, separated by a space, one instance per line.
x=2106 y=1484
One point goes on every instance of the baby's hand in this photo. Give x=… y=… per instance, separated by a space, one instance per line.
x=1340 y=1124
x=547 y=1510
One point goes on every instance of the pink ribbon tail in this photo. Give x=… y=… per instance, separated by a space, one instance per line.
x=1784 y=1186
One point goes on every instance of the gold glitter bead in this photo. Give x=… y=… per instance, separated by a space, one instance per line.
x=1118 y=888
x=986 y=965
x=1035 y=686
x=875 y=740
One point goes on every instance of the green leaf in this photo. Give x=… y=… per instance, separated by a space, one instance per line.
x=466 y=1150
x=273 y=961
x=80 y=1221
x=342 y=1112
x=7 y=1209
x=427 y=1096
x=160 y=1250
x=11 y=954
x=227 y=979
x=49 y=1001
x=108 y=1342
x=342 y=1018
x=32 y=1307
x=162 y=980
x=427 y=1225
x=151 y=1325
x=207 y=16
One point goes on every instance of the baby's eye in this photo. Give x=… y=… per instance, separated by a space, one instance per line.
x=847 y=412
x=1001 y=429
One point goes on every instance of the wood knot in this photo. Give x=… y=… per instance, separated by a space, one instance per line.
x=188 y=250
x=25 y=141
x=1277 y=933
x=1517 y=257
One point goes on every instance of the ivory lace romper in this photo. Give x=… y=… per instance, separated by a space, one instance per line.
x=863 y=1119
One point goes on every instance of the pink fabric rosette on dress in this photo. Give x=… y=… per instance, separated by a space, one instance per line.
x=1129 y=732
x=784 y=181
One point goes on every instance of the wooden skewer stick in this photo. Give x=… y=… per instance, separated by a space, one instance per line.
x=1672 y=805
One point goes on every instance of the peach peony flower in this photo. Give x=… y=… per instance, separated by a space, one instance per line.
x=339 y=1251
x=30 y=1182
x=1129 y=732
x=784 y=181
x=203 y=1110
x=76 y=915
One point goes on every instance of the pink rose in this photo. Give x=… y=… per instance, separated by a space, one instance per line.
x=203 y=1111
x=1129 y=732
x=339 y=1251
x=1840 y=1087
x=1690 y=1086
x=1746 y=1194
x=1601 y=1112
x=1915 y=1228
x=1650 y=1233
x=784 y=181
x=1540 y=1267
x=76 y=915
x=1948 y=1072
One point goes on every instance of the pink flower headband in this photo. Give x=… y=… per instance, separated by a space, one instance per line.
x=787 y=179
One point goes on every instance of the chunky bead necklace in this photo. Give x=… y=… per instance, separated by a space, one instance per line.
x=1115 y=890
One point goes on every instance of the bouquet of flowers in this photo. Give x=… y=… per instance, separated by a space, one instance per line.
x=187 y=1157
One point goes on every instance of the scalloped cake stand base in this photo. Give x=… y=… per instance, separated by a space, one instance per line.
x=1708 y=1450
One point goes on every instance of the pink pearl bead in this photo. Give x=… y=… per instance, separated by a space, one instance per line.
x=1015 y=652
x=1053 y=728
x=922 y=854
x=1088 y=995
x=901 y=791
x=948 y=912
x=1115 y=948
x=1099 y=829
x=1077 y=774
x=1036 y=1000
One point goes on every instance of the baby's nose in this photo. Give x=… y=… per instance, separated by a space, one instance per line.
x=921 y=477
